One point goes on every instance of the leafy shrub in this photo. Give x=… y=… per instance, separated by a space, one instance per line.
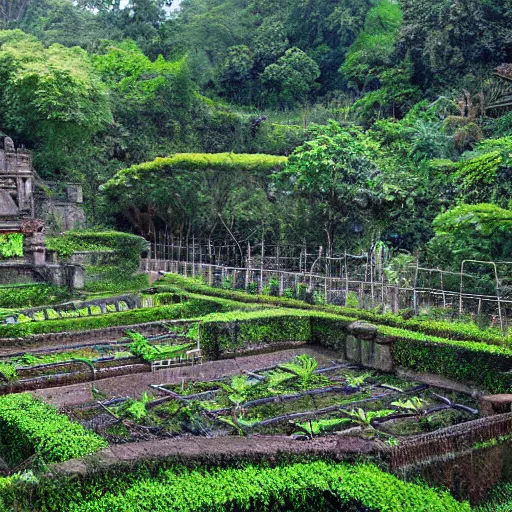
x=11 y=245
x=29 y=426
x=24 y=296
x=305 y=487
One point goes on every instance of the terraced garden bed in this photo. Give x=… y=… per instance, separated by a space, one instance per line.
x=58 y=367
x=296 y=399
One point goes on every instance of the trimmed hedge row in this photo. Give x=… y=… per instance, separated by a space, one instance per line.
x=296 y=487
x=486 y=366
x=479 y=364
x=456 y=331
x=229 y=332
x=29 y=426
x=191 y=308
x=26 y=296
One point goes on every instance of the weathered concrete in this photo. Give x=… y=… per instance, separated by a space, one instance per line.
x=495 y=404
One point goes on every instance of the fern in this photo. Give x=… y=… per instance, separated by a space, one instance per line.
x=137 y=408
x=304 y=368
x=277 y=378
x=356 y=381
x=315 y=428
x=413 y=404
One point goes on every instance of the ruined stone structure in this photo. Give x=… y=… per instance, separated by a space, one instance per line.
x=16 y=186
x=19 y=207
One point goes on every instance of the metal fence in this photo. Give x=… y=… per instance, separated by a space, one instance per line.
x=350 y=280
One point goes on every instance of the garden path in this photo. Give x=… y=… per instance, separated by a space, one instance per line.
x=136 y=384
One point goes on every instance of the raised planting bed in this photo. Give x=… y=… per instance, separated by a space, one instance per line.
x=296 y=399
x=83 y=363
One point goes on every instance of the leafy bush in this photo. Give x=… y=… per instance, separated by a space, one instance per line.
x=141 y=347
x=304 y=487
x=24 y=296
x=11 y=245
x=29 y=426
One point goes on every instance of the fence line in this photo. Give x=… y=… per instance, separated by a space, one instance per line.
x=344 y=291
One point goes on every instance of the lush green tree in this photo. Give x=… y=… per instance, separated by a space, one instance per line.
x=195 y=193
x=291 y=80
x=373 y=50
x=236 y=73
x=485 y=174
x=478 y=232
x=338 y=173
x=446 y=38
x=50 y=97
x=151 y=100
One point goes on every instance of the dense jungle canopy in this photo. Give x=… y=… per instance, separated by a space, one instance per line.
x=395 y=117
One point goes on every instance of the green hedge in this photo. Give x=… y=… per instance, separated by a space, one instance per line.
x=27 y=296
x=297 y=487
x=456 y=331
x=192 y=308
x=128 y=245
x=123 y=263
x=29 y=426
x=230 y=332
x=114 y=283
x=486 y=366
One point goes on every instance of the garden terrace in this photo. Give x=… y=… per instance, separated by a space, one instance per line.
x=274 y=381
x=174 y=306
x=450 y=330
x=40 y=369
x=295 y=397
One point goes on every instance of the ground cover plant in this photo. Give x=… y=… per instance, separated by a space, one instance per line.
x=294 y=487
x=304 y=486
x=29 y=427
x=31 y=295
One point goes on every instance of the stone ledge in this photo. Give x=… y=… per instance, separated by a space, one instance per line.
x=363 y=330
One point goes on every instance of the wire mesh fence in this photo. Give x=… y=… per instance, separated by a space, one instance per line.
x=479 y=292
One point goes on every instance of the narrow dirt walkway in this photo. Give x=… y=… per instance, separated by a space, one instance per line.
x=134 y=385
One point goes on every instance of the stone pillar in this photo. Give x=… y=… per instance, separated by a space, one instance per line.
x=76 y=277
x=74 y=193
x=365 y=347
x=34 y=249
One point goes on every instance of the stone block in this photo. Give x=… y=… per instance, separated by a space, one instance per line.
x=495 y=404
x=353 y=349
x=363 y=330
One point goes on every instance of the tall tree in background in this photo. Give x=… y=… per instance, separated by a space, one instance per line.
x=50 y=97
